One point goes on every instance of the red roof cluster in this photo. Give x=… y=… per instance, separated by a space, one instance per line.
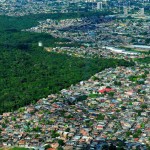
x=105 y=90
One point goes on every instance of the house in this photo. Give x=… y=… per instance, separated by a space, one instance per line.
x=99 y=127
x=55 y=145
x=105 y=90
x=68 y=147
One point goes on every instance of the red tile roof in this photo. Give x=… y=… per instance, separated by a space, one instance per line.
x=106 y=90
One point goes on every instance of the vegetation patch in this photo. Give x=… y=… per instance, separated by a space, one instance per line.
x=28 y=73
x=28 y=21
x=144 y=60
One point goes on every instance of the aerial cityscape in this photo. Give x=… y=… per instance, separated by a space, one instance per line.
x=74 y=75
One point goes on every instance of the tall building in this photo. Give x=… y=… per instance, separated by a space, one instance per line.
x=142 y=12
x=125 y=10
x=99 y=5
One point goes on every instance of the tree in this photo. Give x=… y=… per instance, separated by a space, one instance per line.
x=137 y=134
x=112 y=147
x=117 y=83
x=128 y=133
x=111 y=94
x=67 y=130
x=144 y=106
x=59 y=148
x=61 y=142
x=54 y=134
x=100 y=117
x=36 y=129
x=123 y=107
x=113 y=117
x=47 y=146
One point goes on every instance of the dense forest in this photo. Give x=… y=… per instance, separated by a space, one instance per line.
x=28 y=73
x=24 y=22
x=26 y=76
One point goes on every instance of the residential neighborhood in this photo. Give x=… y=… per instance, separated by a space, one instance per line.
x=100 y=31
x=109 y=108
x=28 y=7
x=98 y=36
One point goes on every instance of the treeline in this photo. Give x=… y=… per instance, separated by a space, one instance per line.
x=24 y=40
x=26 y=76
x=24 y=22
x=28 y=73
x=12 y=37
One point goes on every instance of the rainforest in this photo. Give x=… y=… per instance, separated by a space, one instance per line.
x=28 y=72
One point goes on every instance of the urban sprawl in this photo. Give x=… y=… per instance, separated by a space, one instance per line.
x=110 y=109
